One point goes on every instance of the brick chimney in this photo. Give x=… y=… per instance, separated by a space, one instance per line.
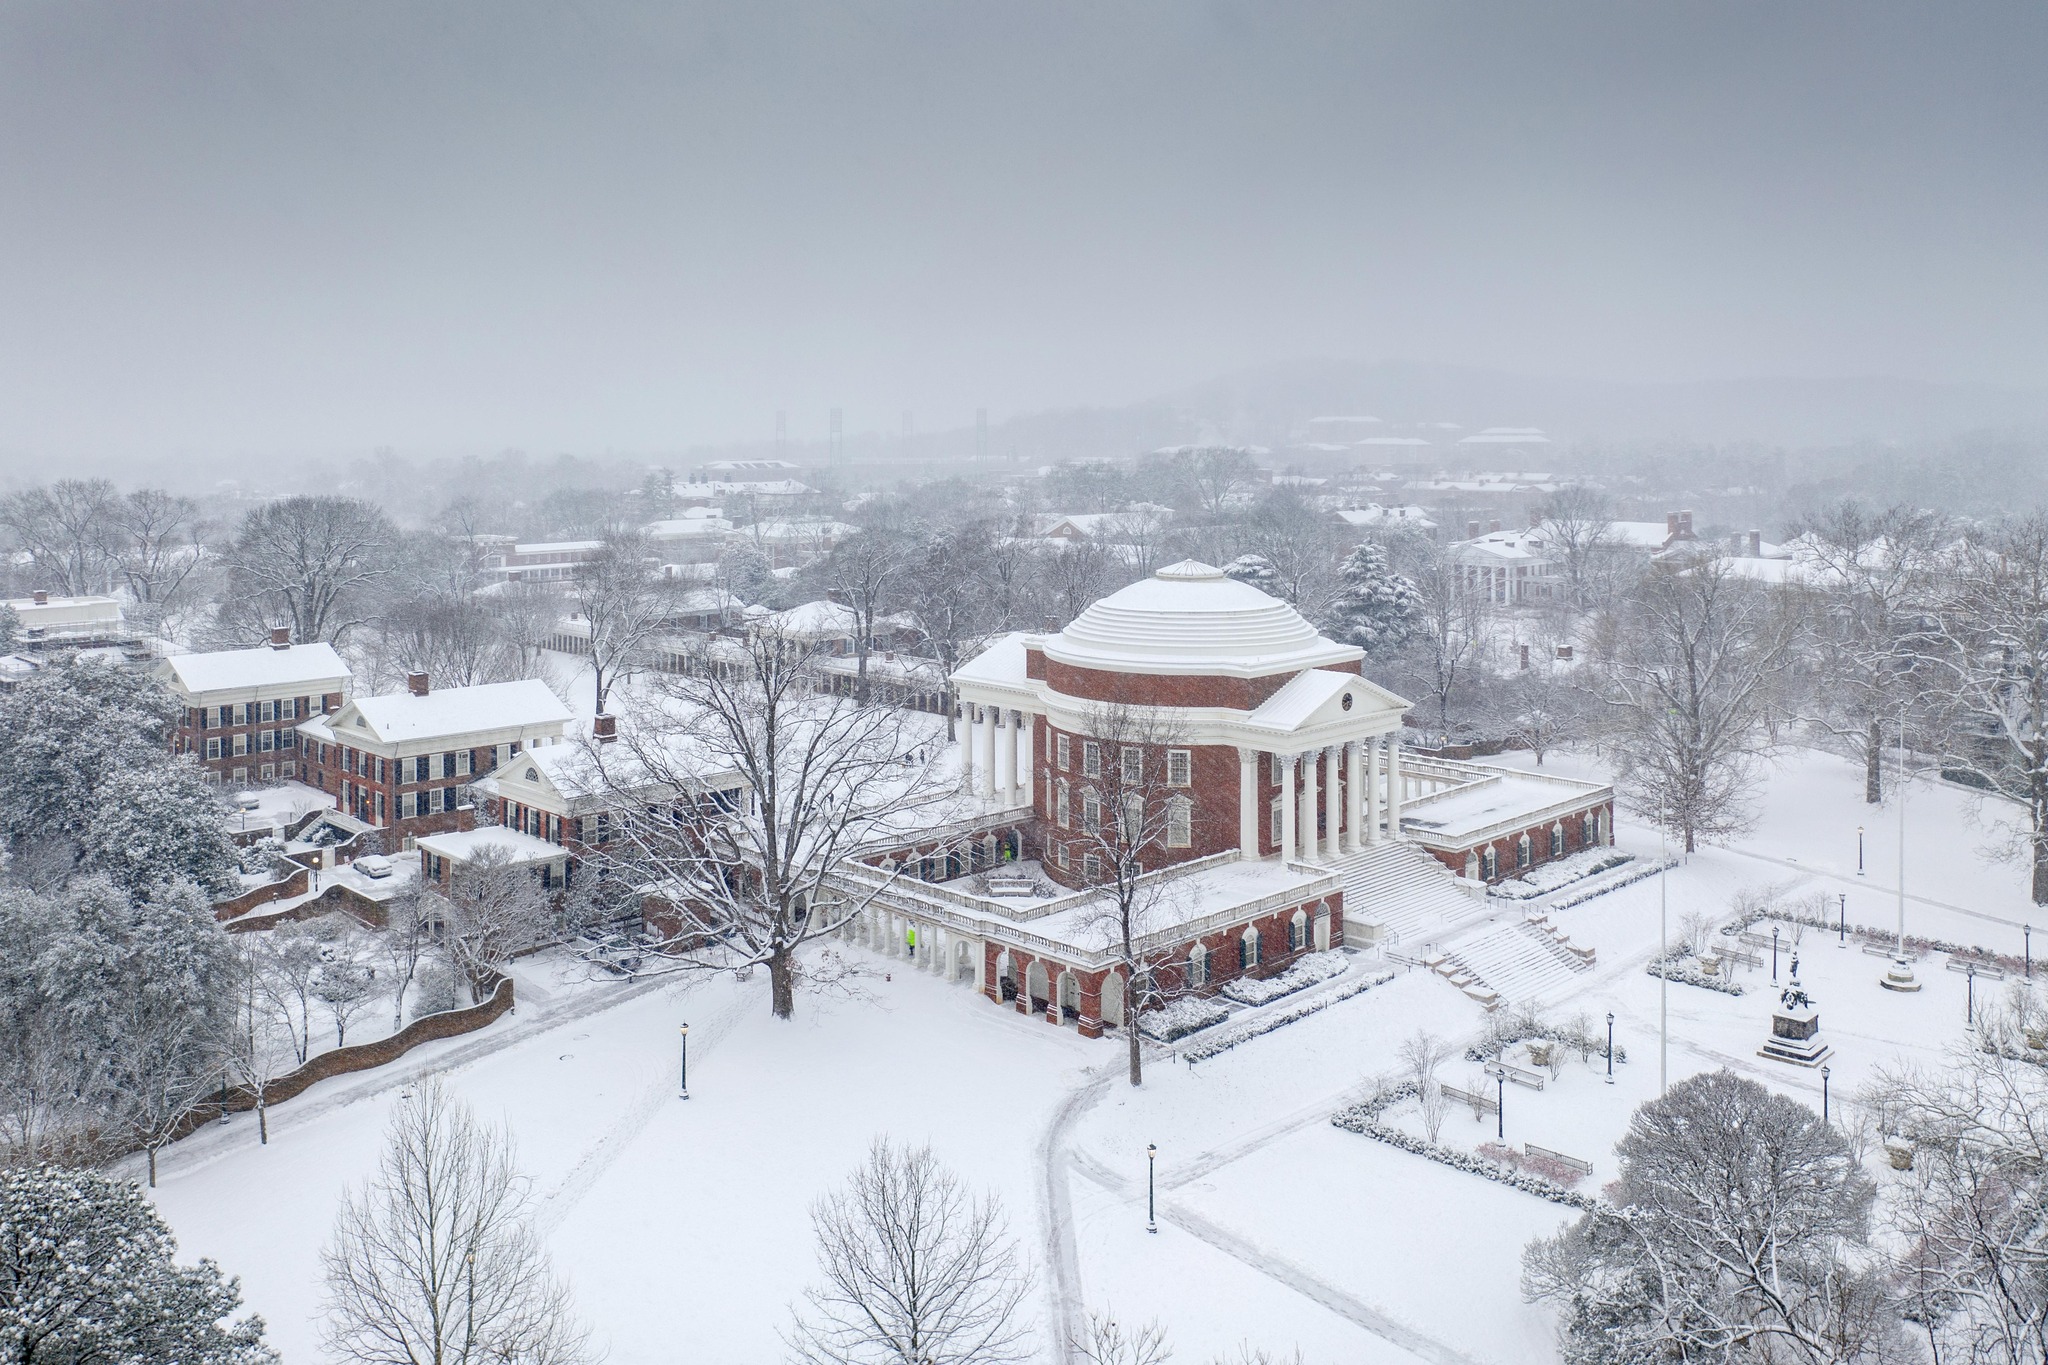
x=1564 y=653
x=416 y=683
x=1471 y=530
x=1685 y=522
x=1493 y=528
x=1756 y=544
x=1525 y=657
x=1670 y=525
x=280 y=637
x=42 y=597
x=604 y=728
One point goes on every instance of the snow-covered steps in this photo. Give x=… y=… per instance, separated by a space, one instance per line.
x=1515 y=962
x=1408 y=895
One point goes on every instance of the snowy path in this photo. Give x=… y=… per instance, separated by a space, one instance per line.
x=1866 y=884
x=1067 y=1309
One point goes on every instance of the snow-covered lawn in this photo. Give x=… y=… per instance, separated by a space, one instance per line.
x=683 y=1224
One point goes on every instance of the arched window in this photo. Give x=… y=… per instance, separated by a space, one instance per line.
x=1248 y=949
x=1297 y=932
x=1198 y=966
x=1091 y=811
x=1062 y=803
x=1180 y=822
x=1488 y=864
x=1522 y=851
x=1557 y=841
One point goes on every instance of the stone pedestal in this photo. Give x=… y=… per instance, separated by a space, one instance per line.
x=1899 y=976
x=1795 y=1028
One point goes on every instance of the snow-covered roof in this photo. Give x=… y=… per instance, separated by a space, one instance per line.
x=57 y=612
x=1507 y=547
x=1390 y=441
x=558 y=547
x=803 y=528
x=812 y=620
x=222 y=670
x=399 y=717
x=1304 y=693
x=1373 y=514
x=1189 y=618
x=463 y=846
x=1497 y=436
x=1002 y=662
x=684 y=528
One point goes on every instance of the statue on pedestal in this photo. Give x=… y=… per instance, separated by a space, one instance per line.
x=1795 y=1027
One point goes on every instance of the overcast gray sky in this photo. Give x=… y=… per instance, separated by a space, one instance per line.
x=577 y=226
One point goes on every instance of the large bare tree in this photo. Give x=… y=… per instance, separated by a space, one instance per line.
x=435 y=1260
x=917 y=1271
x=1695 y=657
x=65 y=528
x=313 y=562
x=1868 y=572
x=1447 y=635
x=866 y=573
x=155 y=546
x=771 y=779
x=1578 y=520
x=627 y=602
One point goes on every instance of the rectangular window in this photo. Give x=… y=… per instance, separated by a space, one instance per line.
x=1091 y=812
x=241 y=745
x=1063 y=811
x=266 y=710
x=1091 y=758
x=266 y=740
x=1065 y=753
x=462 y=761
x=1091 y=868
x=1180 y=767
x=1134 y=765
x=288 y=709
x=1180 y=820
x=405 y=805
x=213 y=746
x=1279 y=769
x=1060 y=856
x=1279 y=834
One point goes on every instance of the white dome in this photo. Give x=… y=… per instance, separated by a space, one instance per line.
x=1192 y=619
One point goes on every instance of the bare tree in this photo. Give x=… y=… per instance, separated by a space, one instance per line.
x=941 y=584
x=626 y=603
x=1696 y=653
x=1869 y=572
x=155 y=546
x=866 y=572
x=1989 y=661
x=1300 y=543
x=1448 y=634
x=1579 y=521
x=1421 y=1055
x=435 y=1259
x=1078 y=574
x=1213 y=479
x=1128 y=816
x=409 y=920
x=770 y=781
x=916 y=1271
x=65 y=528
x=347 y=986
x=1109 y=1342
x=312 y=561
x=1735 y=1233
x=494 y=910
x=287 y=967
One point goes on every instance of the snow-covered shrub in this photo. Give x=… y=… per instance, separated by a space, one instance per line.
x=1312 y=970
x=1507 y=1028
x=437 y=993
x=1641 y=873
x=1245 y=1032
x=1688 y=974
x=260 y=858
x=1560 y=872
x=1178 y=1018
x=1364 y=1119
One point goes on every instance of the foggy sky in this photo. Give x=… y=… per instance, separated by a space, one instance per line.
x=295 y=227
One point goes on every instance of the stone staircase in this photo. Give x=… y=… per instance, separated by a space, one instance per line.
x=1526 y=960
x=1410 y=896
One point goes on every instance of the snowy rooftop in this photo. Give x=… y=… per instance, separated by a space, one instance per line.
x=1503 y=796
x=64 y=611
x=400 y=716
x=464 y=845
x=225 y=669
x=1190 y=618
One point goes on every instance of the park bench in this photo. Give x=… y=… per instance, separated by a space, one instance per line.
x=1529 y=1080
x=1481 y=1103
x=1984 y=969
x=1570 y=1162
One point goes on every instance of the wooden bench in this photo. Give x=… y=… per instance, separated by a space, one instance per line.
x=1984 y=969
x=1480 y=1103
x=1529 y=1080
x=1569 y=1162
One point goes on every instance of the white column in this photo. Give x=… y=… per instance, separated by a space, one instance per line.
x=1020 y=760
x=1354 y=796
x=1310 y=849
x=1372 y=790
x=1287 y=806
x=985 y=751
x=1333 y=797
x=1248 y=804
x=1394 y=781
x=1004 y=769
x=970 y=742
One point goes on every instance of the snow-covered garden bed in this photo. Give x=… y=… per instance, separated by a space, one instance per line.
x=1554 y=876
x=1301 y=1009
x=1364 y=1119
x=1630 y=878
x=1685 y=969
x=1312 y=970
x=1178 y=1018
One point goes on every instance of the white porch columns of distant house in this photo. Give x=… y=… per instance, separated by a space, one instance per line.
x=1286 y=806
x=1333 y=801
x=985 y=749
x=1308 y=842
x=1027 y=758
x=1004 y=769
x=1372 y=790
x=970 y=742
x=1247 y=804
x=1394 y=781
x=1354 y=795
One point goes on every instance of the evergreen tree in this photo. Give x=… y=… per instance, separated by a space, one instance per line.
x=1256 y=570
x=1376 y=608
x=161 y=823
x=86 y=1274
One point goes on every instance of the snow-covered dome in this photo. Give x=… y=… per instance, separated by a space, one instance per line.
x=1192 y=619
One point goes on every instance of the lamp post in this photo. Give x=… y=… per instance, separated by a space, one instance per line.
x=1610 y=1047
x=1970 y=999
x=2028 y=931
x=1151 y=1187
x=1500 y=1105
x=1899 y=976
x=1842 y=898
x=1824 y=1094
x=1774 y=952
x=1859 y=850
x=683 y=1080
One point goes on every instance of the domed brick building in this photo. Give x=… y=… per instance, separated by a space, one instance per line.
x=1290 y=820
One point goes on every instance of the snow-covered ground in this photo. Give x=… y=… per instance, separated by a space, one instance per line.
x=683 y=1223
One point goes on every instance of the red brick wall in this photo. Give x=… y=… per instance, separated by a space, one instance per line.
x=1158 y=689
x=1504 y=847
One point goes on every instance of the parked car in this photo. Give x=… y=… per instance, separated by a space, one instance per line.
x=373 y=865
